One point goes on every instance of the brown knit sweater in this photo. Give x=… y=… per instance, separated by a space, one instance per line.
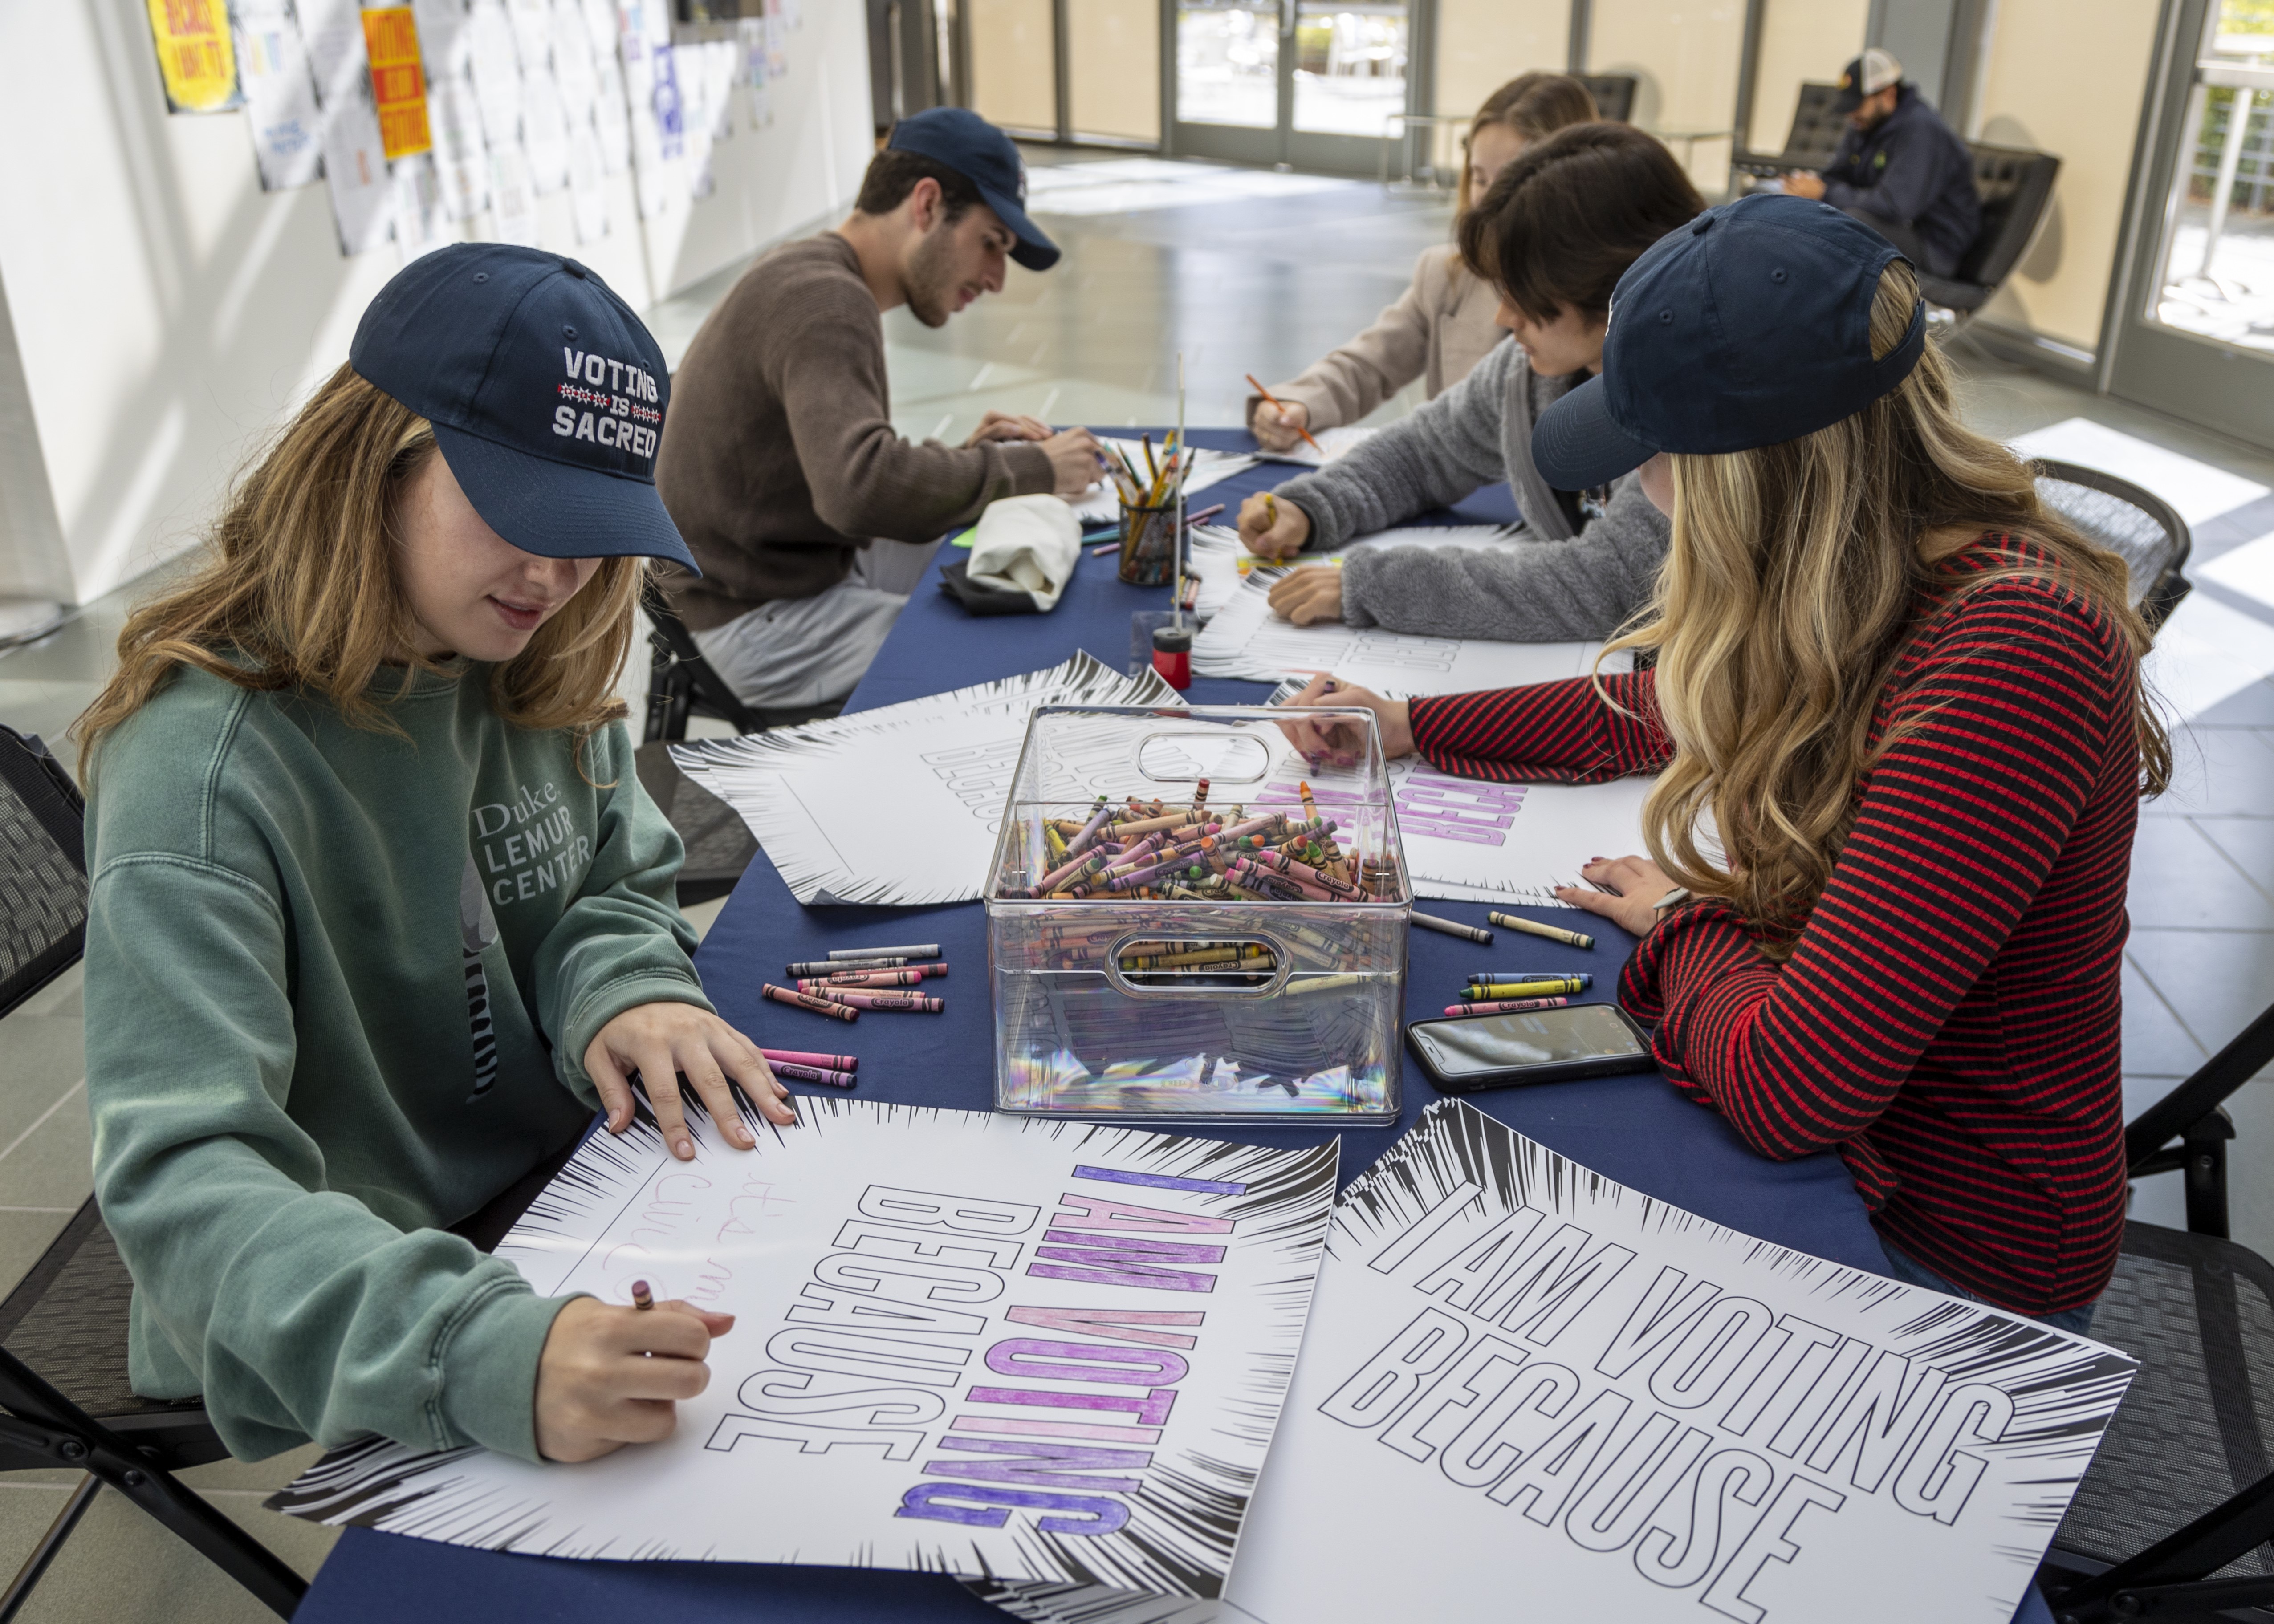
x=779 y=455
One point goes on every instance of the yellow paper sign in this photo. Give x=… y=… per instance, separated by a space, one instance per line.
x=196 y=56
x=398 y=83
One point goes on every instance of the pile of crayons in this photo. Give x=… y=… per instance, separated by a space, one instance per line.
x=1146 y=850
x=1508 y=992
x=856 y=978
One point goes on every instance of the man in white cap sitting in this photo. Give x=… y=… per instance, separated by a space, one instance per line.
x=1900 y=169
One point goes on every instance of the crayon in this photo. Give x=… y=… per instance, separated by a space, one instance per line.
x=1452 y=927
x=868 y=980
x=923 y=949
x=1310 y=807
x=806 y=1057
x=1489 y=978
x=1082 y=842
x=826 y=1078
x=836 y=967
x=641 y=1297
x=1506 y=1006
x=1570 y=938
x=858 y=1001
x=1490 y=992
x=807 y=1001
x=1306 y=873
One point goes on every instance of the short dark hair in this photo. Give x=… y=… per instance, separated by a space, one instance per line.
x=894 y=175
x=1564 y=220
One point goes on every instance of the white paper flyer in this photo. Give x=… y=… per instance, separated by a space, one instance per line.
x=900 y=806
x=966 y=1344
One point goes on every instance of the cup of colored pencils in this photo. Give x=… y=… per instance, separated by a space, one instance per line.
x=1148 y=521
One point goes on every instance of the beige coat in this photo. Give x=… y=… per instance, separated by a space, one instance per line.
x=1438 y=329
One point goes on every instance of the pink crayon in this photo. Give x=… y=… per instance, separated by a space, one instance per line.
x=1306 y=873
x=826 y=1078
x=857 y=1000
x=861 y=978
x=806 y=1057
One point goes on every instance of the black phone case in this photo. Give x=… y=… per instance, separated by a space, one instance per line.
x=1518 y=1077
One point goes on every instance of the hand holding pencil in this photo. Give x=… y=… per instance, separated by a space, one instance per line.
x=1277 y=424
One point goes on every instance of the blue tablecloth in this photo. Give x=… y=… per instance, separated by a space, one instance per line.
x=1634 y=1129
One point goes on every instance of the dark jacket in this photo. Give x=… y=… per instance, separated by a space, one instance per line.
x=1910 y=168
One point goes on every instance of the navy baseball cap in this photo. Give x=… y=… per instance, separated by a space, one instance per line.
x=1749 y=326
x=983 y=155
x=547 y=394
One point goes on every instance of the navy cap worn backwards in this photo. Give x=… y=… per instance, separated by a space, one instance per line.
x=983 y=155
x=1749 y=326
x=547 y=394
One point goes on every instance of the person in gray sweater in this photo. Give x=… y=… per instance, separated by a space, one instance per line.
x=1559 y=228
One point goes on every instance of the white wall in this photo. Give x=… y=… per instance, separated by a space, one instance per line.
x=1803 y=41
x=159 y=312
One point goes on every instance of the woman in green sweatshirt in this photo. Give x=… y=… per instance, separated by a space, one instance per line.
x=379 y=913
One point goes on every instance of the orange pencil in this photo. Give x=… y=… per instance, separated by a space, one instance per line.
x=1276 y=401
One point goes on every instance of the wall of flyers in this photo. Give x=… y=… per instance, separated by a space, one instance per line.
x=434 y=121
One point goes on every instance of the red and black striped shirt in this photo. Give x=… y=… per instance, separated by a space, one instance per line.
x=1948 y=1021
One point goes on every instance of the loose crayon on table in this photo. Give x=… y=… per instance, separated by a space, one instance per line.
x=641 y=1297
x=922 y=950
x=807 y=1057
x=1496 y=978
x=1506 y=1006
x=1517 y=922
x=1452 y=927
x=807 y=1001
x=866 y=981
x=826 y=1078
x=1490 y=992
x=883 y=1000
x=834 y=967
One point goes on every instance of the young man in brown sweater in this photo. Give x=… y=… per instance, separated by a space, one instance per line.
x=810 y=517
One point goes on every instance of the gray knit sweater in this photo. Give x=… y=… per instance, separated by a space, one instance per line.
x=1548 y=585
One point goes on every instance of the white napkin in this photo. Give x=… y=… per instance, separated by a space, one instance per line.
x=1027 y=544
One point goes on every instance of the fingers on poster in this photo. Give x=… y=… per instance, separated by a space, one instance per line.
x=965 y=1344
x=900 y=806
x=1526 y=1369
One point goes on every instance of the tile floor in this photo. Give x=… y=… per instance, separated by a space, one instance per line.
x=1264 y=274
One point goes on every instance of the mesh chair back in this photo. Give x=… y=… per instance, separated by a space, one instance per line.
x=1614 y=94
x=2135 y=525
x=1817 y=127
x=42 y=869
x=2197 y=1426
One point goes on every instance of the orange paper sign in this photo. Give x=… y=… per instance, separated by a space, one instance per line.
x=196 y=56
x=398 y=83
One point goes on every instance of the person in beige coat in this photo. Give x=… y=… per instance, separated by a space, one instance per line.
x=1442 y=324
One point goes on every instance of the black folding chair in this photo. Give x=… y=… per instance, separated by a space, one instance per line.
x=2137 y=525
x=2173 y=1518
x=68 y=1316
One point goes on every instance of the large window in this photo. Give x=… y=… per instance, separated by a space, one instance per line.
x=1228 y=64
x=1350 y=66
x=2217 y=267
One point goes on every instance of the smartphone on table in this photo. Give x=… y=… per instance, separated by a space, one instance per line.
x=1464 y=1053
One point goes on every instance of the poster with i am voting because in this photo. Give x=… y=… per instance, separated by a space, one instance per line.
x=1528 y=1391
x=966 y=1344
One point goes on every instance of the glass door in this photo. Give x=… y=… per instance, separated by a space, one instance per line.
x=2196 y=337
x=1309 y=83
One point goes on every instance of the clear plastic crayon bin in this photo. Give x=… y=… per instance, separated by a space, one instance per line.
x=1242 y=975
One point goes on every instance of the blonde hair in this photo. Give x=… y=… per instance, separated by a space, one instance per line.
x=1533 y=105
x=300 y=590
x=1784 y=603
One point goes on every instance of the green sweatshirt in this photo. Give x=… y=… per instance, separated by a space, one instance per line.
x=339 y=988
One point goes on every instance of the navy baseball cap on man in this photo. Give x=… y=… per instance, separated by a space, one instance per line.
x=1749 y=326
x=547 y=394
x=983 y=155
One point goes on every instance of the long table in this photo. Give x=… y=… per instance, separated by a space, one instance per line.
x=1634 y=1129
